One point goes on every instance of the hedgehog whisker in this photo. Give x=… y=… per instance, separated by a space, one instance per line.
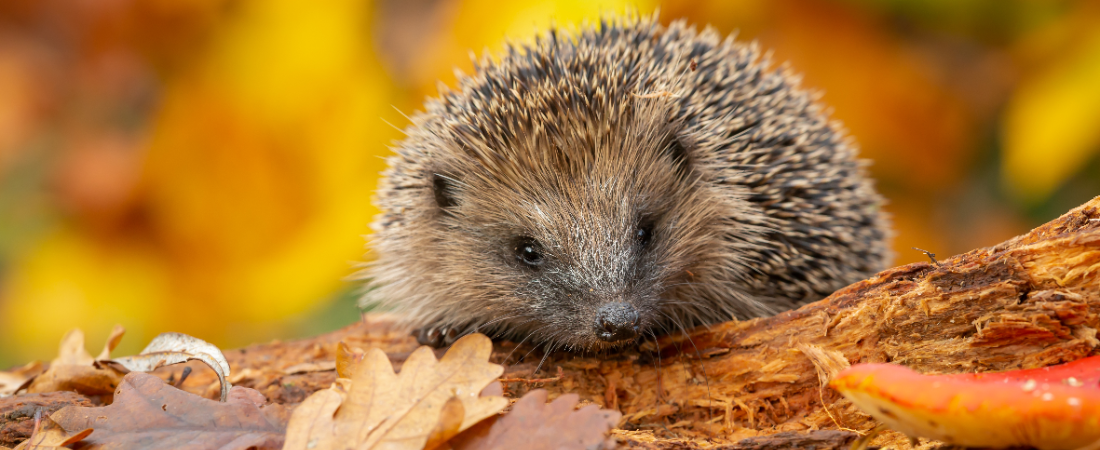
x=692 y=305
x=698 y=354
x=532 y=333
x=694 y=288
x=544 y=356
x=657 y=365
x=495 y=320
x=507 y=332
x=661 y=324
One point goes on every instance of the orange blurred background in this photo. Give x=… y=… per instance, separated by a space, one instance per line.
x=206 y=166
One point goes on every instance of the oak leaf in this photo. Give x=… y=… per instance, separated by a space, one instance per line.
x=147 y=413
x=534 y=424
x=427 y=404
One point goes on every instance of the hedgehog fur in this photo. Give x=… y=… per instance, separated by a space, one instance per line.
x=622 y=181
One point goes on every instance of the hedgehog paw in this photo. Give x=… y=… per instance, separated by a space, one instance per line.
x=437 y=336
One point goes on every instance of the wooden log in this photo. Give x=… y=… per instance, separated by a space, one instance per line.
x=1028 y=302
x=17 y=413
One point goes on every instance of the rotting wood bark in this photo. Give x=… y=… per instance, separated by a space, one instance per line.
x=17 y=413
x=1029 y=302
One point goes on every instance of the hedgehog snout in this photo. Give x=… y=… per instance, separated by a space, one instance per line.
x=616 y=322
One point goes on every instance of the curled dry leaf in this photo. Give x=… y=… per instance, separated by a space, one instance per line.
x=72 y=351
x=12 y=381
x=147 y=413
x=377 y=408
x=175 y=348
x=534 y=424
x=112 y=342
x=1049 y=408
x=74 y=368
x=347 y=358
x=77 y=370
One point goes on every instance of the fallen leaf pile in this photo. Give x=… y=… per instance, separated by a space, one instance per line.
x=175 y=348
x=147 y=413
x=453 y=403
x=75 y=370
x=1049 y=408
x=97 y=377
x=18 y=378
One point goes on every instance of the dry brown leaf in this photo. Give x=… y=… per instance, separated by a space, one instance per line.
x=72 y=349
x=534 y=424
x=77 y=370
x=323 y=366
x=449 y=424
x=13 y=380
x=347 y=359
x=74 y=369
x=112 y=342
x=148 y=413
x=174 y=348
x=378 y=408
x=50 y=435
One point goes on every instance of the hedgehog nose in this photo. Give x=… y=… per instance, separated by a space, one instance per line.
x=616 y=322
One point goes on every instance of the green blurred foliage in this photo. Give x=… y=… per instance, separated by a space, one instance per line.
x=206 y=166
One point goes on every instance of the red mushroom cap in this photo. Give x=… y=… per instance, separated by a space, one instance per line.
x=1050 y=408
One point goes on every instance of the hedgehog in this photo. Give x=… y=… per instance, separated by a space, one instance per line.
x=616 y=183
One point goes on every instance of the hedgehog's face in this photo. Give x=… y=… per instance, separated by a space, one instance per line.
x=589 y=277
x=584 y=256
x=578 y=267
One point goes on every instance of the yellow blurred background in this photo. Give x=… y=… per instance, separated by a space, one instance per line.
x=206 y=166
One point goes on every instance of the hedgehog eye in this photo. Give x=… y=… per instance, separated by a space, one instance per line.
x=529 y=252
x=643 y=235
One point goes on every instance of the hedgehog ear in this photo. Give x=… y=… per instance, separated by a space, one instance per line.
x=677 y=150
x=445 y=190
